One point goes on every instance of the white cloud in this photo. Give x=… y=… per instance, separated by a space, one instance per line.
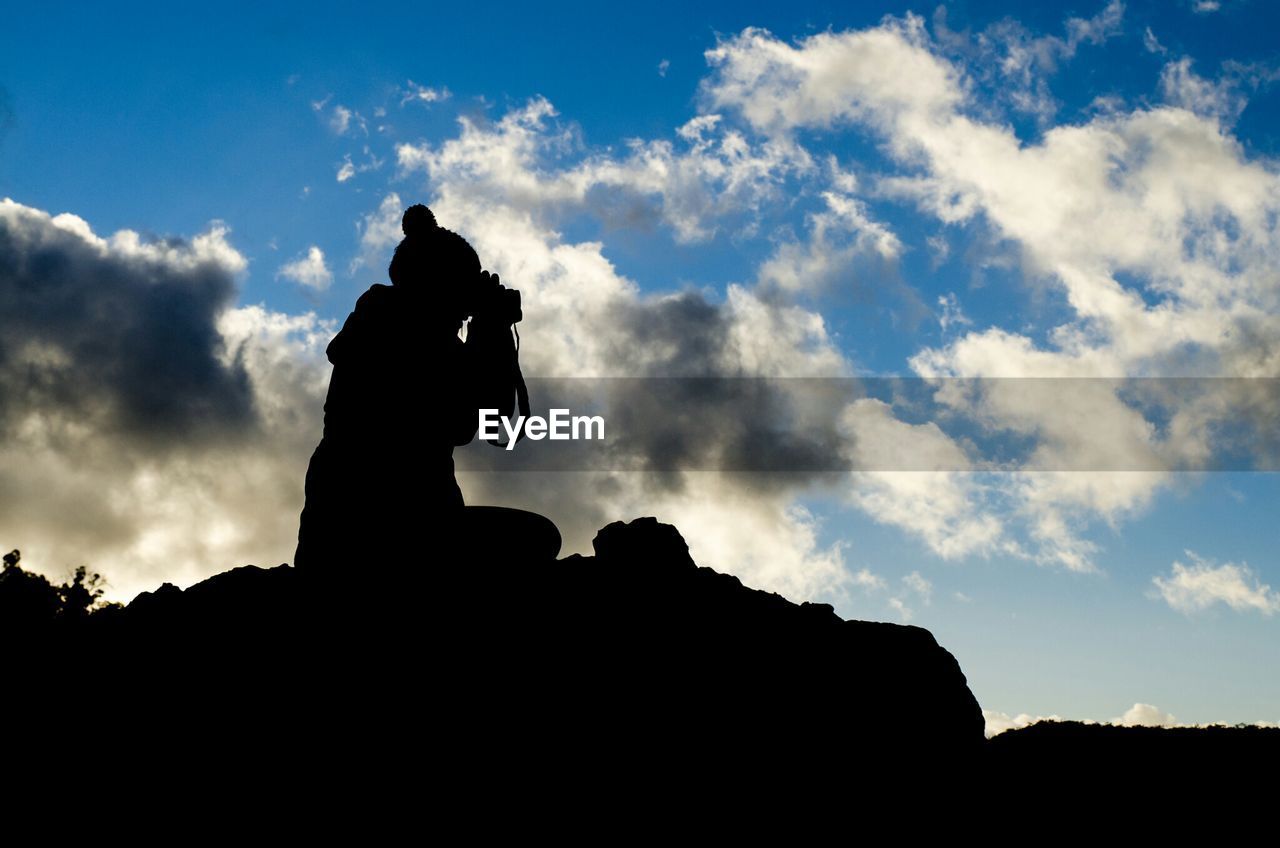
x=874 y=75
x=342 y=120
x=1221 y=100
x=415 y=93
x=1153 y=223
x=926 y=490
x=917 y=583
x=951 y=315
x=900 y=607
x=710 y=173
x=1202 y=584
x=1145 y=715
x=998 y=722
x=308 y=270
x=841 y=236
x=349 y=169
x=913 y=584
x=1139 y=715
x=1151 y=43
x=379 y=231
x=866 y=579
x=1018 y=64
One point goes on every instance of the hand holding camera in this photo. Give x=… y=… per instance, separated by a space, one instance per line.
x=495 y=303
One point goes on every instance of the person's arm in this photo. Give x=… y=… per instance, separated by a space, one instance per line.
x=485 y=378
x=489 y=357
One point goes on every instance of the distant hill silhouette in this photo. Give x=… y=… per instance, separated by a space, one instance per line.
x=1077 y=746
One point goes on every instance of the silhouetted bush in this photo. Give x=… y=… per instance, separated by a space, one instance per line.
x=29 y=600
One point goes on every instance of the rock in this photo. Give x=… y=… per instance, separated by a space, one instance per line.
x=643 y=542
x=159 y=601
x=599 y=664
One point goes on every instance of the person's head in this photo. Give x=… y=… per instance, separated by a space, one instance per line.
x=436 y=263
x=418 y=220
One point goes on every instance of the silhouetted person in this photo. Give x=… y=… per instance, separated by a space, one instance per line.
x=405 y=390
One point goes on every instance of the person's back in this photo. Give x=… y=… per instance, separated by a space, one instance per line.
x=397 y=405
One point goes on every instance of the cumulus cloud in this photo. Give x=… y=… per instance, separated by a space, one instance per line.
x=148 y=428
x=932 y=495
x=1145 y=715
x=831 y=78
x=1199 y=585
x=1139 y=715
x=708 y=173
x=1157 y=228
x=308 y=270
x=846 y=247
x=379 y=231
x=115 y=334
x=998 y=722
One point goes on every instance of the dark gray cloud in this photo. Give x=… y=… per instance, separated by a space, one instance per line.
x=149 y=428
x=685 y=409
x=121 y=337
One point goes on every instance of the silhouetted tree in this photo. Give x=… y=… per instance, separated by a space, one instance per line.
x=82 y=595
x=29 y=600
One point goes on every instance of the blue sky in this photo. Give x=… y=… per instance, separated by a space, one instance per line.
x=842 y=225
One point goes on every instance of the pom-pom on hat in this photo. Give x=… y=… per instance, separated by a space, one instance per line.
x=417 y=220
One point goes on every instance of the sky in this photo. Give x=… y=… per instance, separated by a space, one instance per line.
x=953 y=206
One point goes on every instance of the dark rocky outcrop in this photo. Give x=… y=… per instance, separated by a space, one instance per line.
x=608 y=665
x=619 y=686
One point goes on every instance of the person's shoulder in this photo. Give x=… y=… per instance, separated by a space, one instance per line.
x=379 y=296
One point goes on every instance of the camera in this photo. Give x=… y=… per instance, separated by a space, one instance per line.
x=495 y=302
